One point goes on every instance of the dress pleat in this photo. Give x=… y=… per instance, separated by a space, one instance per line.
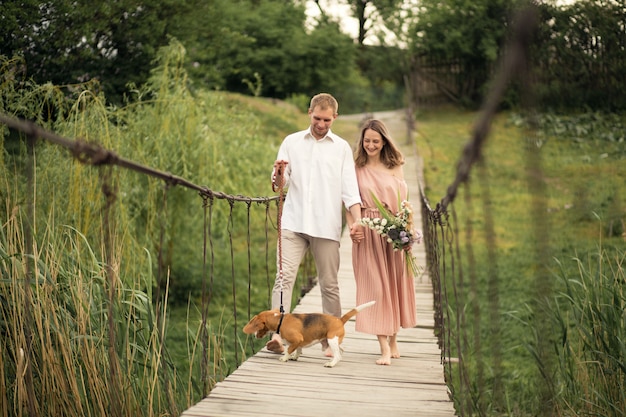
x=380 y=272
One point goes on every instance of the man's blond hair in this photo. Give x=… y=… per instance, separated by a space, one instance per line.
x=324 y=101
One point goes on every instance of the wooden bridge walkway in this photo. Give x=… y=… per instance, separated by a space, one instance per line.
x=412 y=386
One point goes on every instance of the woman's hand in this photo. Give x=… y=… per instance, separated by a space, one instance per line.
x=356 y=232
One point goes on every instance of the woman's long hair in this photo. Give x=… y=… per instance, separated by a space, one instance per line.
x=390 y=155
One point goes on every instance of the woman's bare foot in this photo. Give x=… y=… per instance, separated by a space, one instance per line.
x=383 y=360
x=385 y=351
x=393 y=347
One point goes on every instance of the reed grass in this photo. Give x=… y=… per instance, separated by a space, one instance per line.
x=68 y=324
x=592 y=340
x=583 y=210
x=164 y=360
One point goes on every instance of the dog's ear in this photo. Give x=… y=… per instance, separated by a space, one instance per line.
x=261 y=324
x=257 y=325
x=253 y=325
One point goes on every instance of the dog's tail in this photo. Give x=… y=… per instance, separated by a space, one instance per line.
x=355 y=310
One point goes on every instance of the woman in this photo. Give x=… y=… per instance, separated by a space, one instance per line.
x=381 y=273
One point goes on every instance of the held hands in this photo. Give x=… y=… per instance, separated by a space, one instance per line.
x=356 y=232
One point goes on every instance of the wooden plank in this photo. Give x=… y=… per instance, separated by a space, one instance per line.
x=412 y=386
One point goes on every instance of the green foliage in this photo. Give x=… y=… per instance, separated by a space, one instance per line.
x=594 y=134
x=65 y=313
x=576 y=53
x=466 y=34
x=383 y=70
x=213 y=139
x=230 y=44
x=300 y=101
x=591 y=347
x=66 y=42
x=371 y=14
x=259 y=48
x=579 y=55
x=582 y=198
x=267 y=48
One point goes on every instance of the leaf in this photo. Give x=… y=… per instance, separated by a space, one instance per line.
x=382 y=209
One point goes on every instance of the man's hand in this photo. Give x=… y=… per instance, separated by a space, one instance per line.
x=278 y=176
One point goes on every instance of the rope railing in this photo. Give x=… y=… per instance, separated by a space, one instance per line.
x=450 y=287
x=96 y=155
x=512 y=66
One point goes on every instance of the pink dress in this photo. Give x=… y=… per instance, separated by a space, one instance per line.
x=379 y=271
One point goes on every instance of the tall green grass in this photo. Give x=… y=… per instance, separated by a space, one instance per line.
x=583 y=174
x=591 y=348
x=168 y=357
x=64 y=312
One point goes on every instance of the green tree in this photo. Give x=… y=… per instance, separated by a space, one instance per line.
x=65 y=42
x=257 y=47
x=213 y=41
x=465 y=34
x=370 y=14
x=273 y=53
x=581 y=55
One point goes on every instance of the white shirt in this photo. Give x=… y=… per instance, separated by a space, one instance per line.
x=320 y=177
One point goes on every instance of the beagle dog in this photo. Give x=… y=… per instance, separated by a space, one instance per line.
x=303 y=329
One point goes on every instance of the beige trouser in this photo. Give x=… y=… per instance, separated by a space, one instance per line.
x=326 y=255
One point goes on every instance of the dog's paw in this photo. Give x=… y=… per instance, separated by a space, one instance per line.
x=330 y=364
x=284 y=358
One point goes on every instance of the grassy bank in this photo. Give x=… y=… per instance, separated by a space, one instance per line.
x=174 y=307
x=569 y=289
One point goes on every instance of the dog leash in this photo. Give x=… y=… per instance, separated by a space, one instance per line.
x=280 y=322
x=279 y=177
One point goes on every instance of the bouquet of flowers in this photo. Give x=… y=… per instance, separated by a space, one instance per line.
x=397 y=228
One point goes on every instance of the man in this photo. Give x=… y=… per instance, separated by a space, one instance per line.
x=317 y=166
